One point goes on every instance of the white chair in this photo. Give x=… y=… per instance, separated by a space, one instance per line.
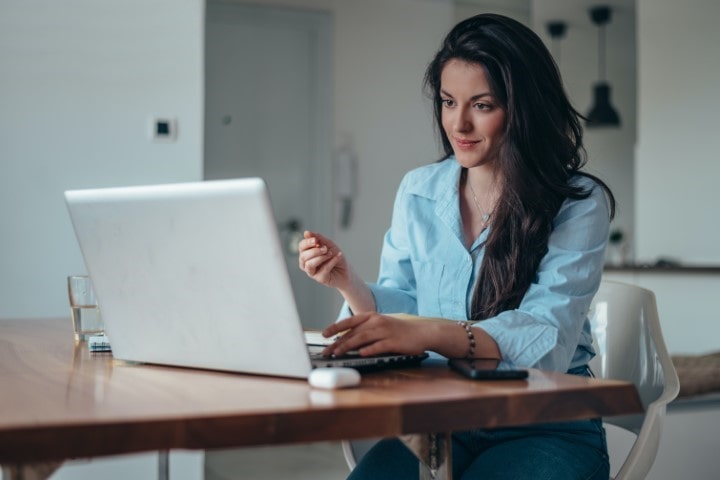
x=629 y=346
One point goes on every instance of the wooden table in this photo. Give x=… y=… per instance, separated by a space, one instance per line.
x=58 y=401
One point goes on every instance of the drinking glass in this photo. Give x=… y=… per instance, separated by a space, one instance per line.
x=84 y=310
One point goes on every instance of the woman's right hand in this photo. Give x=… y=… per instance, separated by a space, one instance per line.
x=322 y=260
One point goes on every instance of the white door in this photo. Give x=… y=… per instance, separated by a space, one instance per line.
x=267 y=114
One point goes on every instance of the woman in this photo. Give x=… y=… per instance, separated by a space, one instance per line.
x=505 y=236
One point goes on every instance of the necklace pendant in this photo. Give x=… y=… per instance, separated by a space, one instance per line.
x=485 y=217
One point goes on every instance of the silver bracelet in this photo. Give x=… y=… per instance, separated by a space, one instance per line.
x=471 y=339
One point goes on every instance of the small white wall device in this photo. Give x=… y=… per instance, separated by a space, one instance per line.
x=162 y=129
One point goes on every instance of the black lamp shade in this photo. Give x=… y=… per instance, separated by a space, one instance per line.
x=602 y=114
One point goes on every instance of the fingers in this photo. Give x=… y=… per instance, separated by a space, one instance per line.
x=322 y=269
x=307 y=244
x=373 y=334
x=319 y=261
x=371 y=341
x=314 y=239
x=310 y=254
x=353 y=338
x=310 y=247
x=320 y=238
x=345 y=324
x=377 y=348
x=318 y=257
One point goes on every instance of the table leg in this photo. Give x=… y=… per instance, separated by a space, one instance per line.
x=164 y=465
x=434 y=452
x=35 y=471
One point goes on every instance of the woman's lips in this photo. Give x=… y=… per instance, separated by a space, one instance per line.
x=465 y=144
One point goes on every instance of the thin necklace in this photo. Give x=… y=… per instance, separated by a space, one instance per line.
x=485 y=216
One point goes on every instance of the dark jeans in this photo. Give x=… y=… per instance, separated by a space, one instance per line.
x=559 y=451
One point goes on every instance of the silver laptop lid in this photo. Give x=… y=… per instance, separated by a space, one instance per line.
x=192 y=275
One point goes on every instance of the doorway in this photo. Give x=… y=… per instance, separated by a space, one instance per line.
x=268 y=114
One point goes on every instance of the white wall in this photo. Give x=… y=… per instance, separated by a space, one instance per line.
x=677 y=154
x=380 y=59
x=517 y=9
x=685 y=304
x=79 y=82
x=610 y=151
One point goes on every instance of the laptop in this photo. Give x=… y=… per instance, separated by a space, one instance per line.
x=194 y=275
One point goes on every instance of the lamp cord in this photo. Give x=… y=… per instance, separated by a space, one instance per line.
x=601 y=53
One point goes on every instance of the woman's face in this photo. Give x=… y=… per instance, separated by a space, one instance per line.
x=472 y=118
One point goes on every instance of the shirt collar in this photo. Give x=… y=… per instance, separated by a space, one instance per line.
x=442 y=187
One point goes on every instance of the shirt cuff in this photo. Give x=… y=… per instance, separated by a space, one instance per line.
x=387 y=300
x=523 y=341
x=392 y=300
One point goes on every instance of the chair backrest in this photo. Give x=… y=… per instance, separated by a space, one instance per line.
x=629 y=345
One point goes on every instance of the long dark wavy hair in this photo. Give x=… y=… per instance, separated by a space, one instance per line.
x=541 y=151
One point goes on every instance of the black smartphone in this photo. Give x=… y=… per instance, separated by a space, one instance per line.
x=485 y=369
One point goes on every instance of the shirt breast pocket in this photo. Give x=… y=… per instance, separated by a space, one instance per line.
x=428 y=276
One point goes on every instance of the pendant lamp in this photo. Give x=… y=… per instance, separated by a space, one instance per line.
x=602 y=113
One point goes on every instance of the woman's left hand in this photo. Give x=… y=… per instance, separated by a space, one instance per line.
x=374 y=334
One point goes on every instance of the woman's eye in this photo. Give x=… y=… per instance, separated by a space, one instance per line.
x=483 y=106
x=446 y=102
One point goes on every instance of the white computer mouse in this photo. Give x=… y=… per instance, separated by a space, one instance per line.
x=336 y=377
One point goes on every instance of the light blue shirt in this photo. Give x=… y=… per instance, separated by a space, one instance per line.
x=427 y=270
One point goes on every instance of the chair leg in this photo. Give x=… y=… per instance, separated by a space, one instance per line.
x=349 y=454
